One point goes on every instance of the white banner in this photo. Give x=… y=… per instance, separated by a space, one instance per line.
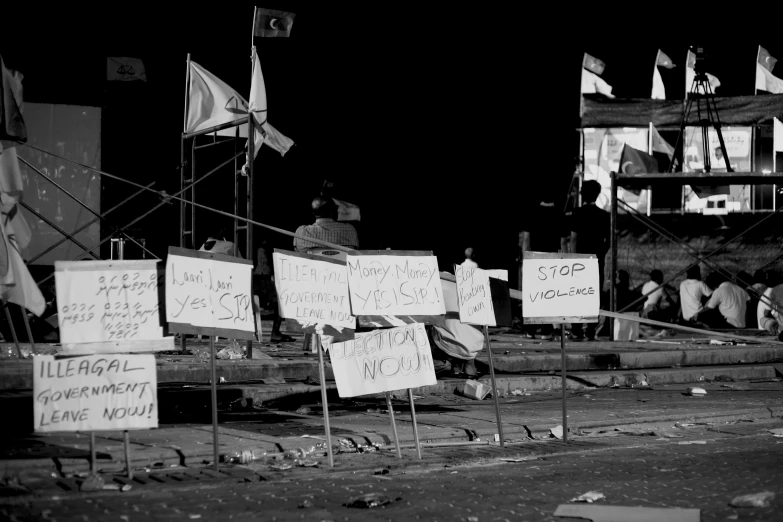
x=560 y=285
x=395 y=285
x=94 y=392
x=209 y=293
x=101 y=301
x=313 y=291
x=382 y=360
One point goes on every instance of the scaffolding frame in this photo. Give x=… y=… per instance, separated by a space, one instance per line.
x=680 y=179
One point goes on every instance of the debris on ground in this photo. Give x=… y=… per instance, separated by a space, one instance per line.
x=693 y=442
x=590 y=497
x=231 y=351
x=476 y=390
x=306 y=463
x=312 y=380
x=776 y=432
x=306 y=503
x=117 y=487
x=519 y=459
x=758 y=500
x=303 y=410
x=280 y=467
x=370 y=500
x=556 y=432
x=696 y=392
x=92 y=483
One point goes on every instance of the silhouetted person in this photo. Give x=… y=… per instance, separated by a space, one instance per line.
x=325 y=228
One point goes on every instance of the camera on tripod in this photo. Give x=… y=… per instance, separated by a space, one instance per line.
x=700 y=58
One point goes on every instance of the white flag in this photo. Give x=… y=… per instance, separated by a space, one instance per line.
x=690 y=74
x=592 y=83
x=766 y=81
x=778 y=133
x=258 y=92
x=658 y=90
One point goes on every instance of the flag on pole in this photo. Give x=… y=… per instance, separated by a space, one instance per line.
x=778 y=135
x=690 y=74
x=269 y=23
x=633 y=161
x=212 y=102
x=661 y=150
x=258 y=92
x=124 y=69
x=765 y=80
x=16 y=283
x=12 y=127
x=593 y=64
x=658 y=90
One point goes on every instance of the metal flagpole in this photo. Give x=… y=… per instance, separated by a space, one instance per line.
x=27 y=327
x=13 y=331
x=650 y=152
x=92 y=453
x=494 y=387
x=393 y=424
x=415 y=427
x=324 y=400
x=214 y=401
x=183 y=176
x=250 y=178
x=563 y=372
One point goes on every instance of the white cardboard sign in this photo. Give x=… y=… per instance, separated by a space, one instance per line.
x=473 y=296
x=560 y=286
x=382 y=360
x=313 y=291
x=209 y=291
x=95 y=392
x=395 y=285
x=107 y=301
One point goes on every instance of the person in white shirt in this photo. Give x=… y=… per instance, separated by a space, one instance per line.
x=770 y=311
x=692 y=293
x=727 y=305
x=659 y=305
x=469 y=261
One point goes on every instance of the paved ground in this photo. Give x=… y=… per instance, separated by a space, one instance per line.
x=704 y=468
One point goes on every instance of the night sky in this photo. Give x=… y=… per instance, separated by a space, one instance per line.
x=442 y=124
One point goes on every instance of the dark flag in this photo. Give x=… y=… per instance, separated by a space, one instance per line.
x=633 y=161
x=269 y=23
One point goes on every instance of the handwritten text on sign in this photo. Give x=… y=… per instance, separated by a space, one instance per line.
x=560 y=287
x=209 y=293
x=473 y=296
x=312 y=291
x=383 y=360
x=100 y=301
x=395 y=285
x=95 y=392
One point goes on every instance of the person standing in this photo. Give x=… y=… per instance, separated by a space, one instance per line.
x=590 y=229
x=470 y=259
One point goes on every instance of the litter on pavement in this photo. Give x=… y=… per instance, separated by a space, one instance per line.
x=696 y=392
x=627 y=513
x=370 y=500
x=556 y=432
x=476 y=390
x=776 y=432
x=589 y=497
x=693 y=442
x=758 y=500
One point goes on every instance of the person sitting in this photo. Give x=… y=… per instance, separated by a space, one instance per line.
x=659 y=304
x=726 y=307
x=693 y=294
x=217 y=243
x=325 y=228
x=755 y=286
x=770 y=311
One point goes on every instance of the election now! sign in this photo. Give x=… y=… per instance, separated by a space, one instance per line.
x=395 y=285
x=312 y=290
x=560 y=288
x=382 y=360
x=94 y=392
x=208 y=293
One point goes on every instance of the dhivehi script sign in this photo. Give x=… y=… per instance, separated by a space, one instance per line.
x=209 y=293
x=560 y=288
x=382 y=360
x=95 y=392
x=395 y=285
x=104 y=305
x=312 y=290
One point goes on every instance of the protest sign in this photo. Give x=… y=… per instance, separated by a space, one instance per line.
x=473 y=296
x=313 y=290
x=560 y=288
x=105 y=306
x=208 y=293
x=382 y=360
x=395 y=284
x=94 y=392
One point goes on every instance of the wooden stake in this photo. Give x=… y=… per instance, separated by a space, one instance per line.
x=324 y=400
x=415 y=427
x=214 y=403
x=494 y=387
x=393 y=424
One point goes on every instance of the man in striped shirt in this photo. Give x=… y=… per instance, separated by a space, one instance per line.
x=326 y=228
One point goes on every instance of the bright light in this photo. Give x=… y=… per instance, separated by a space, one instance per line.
x=766 y=171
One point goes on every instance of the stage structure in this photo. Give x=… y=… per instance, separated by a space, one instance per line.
x=600 y=112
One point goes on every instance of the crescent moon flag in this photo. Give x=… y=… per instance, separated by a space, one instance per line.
x=270 y=23
x=766 y=60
